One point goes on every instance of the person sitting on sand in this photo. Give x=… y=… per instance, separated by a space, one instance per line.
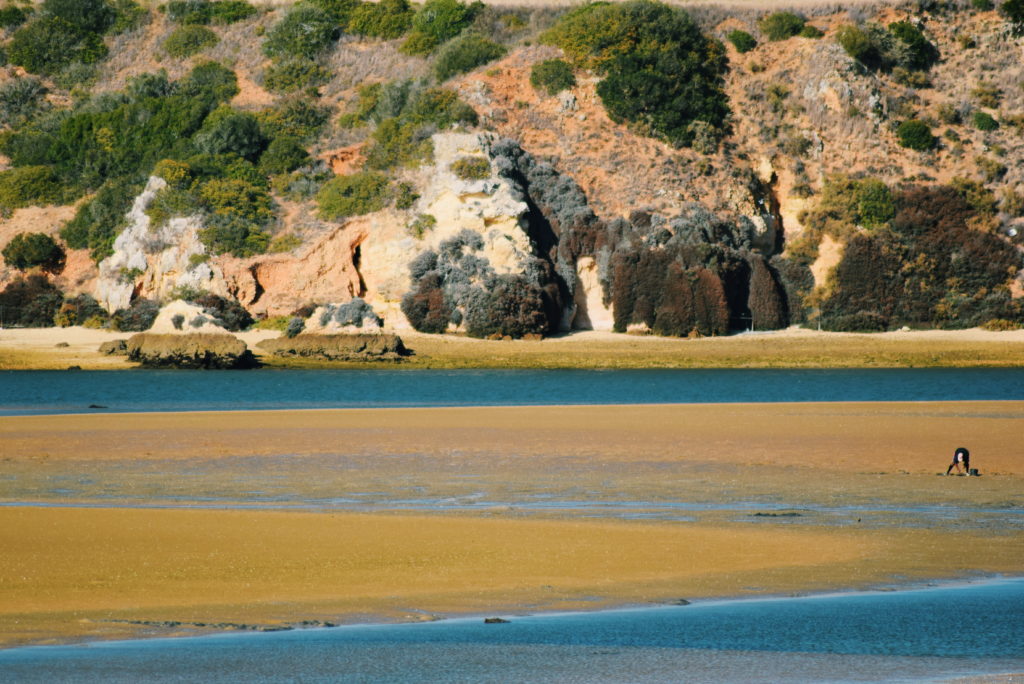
x=961 y=457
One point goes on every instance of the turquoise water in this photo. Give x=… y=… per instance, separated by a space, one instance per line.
x=36 y=392
x=930 y=634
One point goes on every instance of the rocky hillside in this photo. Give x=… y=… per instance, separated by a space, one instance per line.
x=513 y=171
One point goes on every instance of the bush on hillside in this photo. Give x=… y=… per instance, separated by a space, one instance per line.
x=917 y=52
x=660 y=72
x=984 y=121
x=438 y=21
x=471 y=168
x=305 y=31
x=915 y=135
x=32 y=302
x=283 y=155
x=399 y=144
x=20 y=100
x=205 y=12
x=552 y=76
x=99 y=220
x=464 y=54
x=45 y=45
x=81 y=310
x=742 y=41
x=387 y=19
x=295 y=117
x=811 y=31
x=353 y=195
x=136 y=317
x=1013 y=11
x=212 y=82
x=903 y=46
x=231 y=132
x=186 y=41
x=29 y=250
x=13 y=16
x=781 y=25
x=27 y=185
x=508 y=306
x=290 y=74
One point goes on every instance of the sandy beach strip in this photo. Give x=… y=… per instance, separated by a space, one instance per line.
x=860 y=476
x=60 y=348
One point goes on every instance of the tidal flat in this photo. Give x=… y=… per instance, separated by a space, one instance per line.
x=163 y=524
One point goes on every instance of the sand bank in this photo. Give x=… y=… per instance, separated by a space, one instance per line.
x=792 y=348
x=859 y=479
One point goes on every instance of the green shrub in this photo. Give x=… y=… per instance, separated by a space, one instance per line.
x=440 y=107
x=32 y=302
x=1013 y=11
x=338 y=10
x=918 y=52
x=211 y=82
x=398 y=144
x=290 y=74
x=781 y=25
x=661 y=73
x=171 y=202
x=186 y=41
x=742 y=41
x=810 y=31
x=93 y=16
x=465 y=53
x=233 y=235
x=847 y=202
x=552 y=76
x=12 y=16
x=438 y=21
x=178 y=174
x=987 y=95
x=471 y=168
x=78 y=310
x=236 y=198
x=305 y=31
x=353 y=195
x=28 y=250
x=421 y=225
x=902 y=45
x=283 y=155
x=284 y=243
x=45 y=45
x=295 y=117
x=27 y=185
x=20 y=100
x=232 y=133
x=982 y=5
x=983 y=121
x=387 y=19
x=915 y=135
x=139 y=316
x=405 y=195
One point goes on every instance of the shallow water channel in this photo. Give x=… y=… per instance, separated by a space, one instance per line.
x=931 y=634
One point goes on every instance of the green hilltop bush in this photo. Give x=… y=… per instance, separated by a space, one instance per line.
x=47 y=44
x=20 y=100
x=227 y=131
x=338 y=10
x=200 y=12
x=660 y=72
x=464 y=54
x=29 y=250
x=781 y=25
x=915 y=135
x=387 y=19
x=438 y=21
x=846 y=202
x=13 y=16
x=95 y=16
x=811 y=31
x=305 y=31
x=552 y=76
x=290 y=74
x=741 y=40
x=353 y=195
x=984 y=121
x=283 y=155
x=186 y=41
x=902 y=45
x=27 y=185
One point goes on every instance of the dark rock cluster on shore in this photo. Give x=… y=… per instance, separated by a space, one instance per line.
x=340 y=347
x=196 y=350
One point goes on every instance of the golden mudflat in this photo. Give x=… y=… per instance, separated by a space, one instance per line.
x=156 y=524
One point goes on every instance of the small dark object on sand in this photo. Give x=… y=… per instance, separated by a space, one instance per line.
x=96 y=406
x=62 y=345
x=74 y=368
x=680 y=602
x=495 y=621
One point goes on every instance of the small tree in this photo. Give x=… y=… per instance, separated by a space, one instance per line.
x=1013 y=10
x=781 y=25
x=915 y=135
x=552 y=76
x=353 y=195
x=742 y=41
x=28 y=250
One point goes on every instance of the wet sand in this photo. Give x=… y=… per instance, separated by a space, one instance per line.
x=399 y=514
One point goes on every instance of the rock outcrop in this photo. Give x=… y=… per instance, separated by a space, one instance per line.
x=193 y=350
x=360 y=347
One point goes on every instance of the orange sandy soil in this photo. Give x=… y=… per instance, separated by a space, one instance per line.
x=117 y=570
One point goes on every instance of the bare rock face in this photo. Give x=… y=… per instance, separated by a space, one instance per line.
x=194 y=350
x=152 y=263
x=359 y=347
x=114 y=348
